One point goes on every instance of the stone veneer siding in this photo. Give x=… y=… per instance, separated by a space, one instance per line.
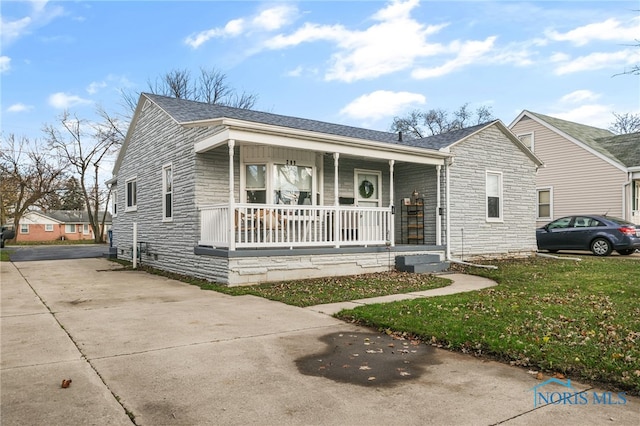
x=156 y=141
x=491 y=150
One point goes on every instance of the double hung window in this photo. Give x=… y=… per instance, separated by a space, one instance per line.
x=494 y=196
x=167 y=191
x=131 y=194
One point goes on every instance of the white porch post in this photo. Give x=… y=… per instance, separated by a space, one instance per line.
x=392 y=223
x=447 y=206
x=438 y=208
x=336 y=200
x=231 y=217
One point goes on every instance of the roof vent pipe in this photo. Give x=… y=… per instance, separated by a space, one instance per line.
x=399 y=136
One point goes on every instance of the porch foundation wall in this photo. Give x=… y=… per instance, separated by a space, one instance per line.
x=254 y=270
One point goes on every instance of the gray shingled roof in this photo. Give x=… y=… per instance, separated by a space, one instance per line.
x=444 y=140
x=74 y=216
x=626 y=148
x=185 y=111
x=588 y=135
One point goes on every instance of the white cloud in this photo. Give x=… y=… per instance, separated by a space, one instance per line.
x=592 y=115
x=274 y=18
x=393 y=43
x=62 y=100
x=270 y=19
x=579 y=96
x=5 y=64
x=466 y=53
x=599 y=60
x=41 y=14
x=381 y=104
x=608 y=30
x=95 y=86
x=19 y=107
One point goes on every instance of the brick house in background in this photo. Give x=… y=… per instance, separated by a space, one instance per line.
x=57 y=225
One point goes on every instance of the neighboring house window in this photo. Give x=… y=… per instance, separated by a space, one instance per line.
x=70 y=228
x=85 y=229
x=114 y=211
x=494 y=196
x=544 y=203
x=527 y=140
x=132 y=194
x=24 y=228
x=167 y=191
x=256 y=183
x=48 y=227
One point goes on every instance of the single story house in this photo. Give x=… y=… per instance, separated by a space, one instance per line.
x=239 y=196
x=54 y=225
x=586 y=169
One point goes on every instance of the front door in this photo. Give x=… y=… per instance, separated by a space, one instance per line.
x=368 y=193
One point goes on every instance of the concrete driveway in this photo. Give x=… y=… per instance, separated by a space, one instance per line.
x=56 y=252
x=145 y=350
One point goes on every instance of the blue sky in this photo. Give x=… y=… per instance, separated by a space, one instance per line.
x=358 y=63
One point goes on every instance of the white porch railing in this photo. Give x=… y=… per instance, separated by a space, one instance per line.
x=275 y=225
x=635 y=217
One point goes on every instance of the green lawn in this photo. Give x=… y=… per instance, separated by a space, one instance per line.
x=323 y=290
x=581 y=319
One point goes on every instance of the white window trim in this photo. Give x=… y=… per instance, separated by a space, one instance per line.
x=69 y=225
x=164 y=193
x=546 y=188
x=48 y=227
x=269 y=164
x=114 y=203
x=500 y=218
x=86 y=229
x=134 y=207
x=532 y=148
x=24 y=230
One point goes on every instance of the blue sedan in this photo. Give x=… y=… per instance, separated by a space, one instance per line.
x=599 y=234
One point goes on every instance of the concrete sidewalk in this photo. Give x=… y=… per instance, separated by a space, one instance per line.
x=146 y=350
x=460 y=283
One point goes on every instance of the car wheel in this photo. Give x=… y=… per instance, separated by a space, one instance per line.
x=626 y=252
x=601 y=247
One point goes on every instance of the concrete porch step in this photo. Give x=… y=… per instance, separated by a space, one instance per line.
x=421 y=263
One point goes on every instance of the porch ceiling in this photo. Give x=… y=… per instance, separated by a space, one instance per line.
x=300 y=139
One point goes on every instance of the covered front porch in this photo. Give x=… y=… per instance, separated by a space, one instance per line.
x=275 y=206
x=285 y=197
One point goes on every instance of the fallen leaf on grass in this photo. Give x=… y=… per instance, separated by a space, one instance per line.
x=558 y=376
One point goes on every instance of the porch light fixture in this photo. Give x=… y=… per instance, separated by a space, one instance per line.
x=414 y=195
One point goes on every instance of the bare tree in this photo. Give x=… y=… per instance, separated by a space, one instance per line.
x=420 y=124
x=211 y=86
x=28 y=174
x=625 y=123
x=85 y=145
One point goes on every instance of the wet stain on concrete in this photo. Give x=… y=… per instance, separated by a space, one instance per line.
x=368 y=359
